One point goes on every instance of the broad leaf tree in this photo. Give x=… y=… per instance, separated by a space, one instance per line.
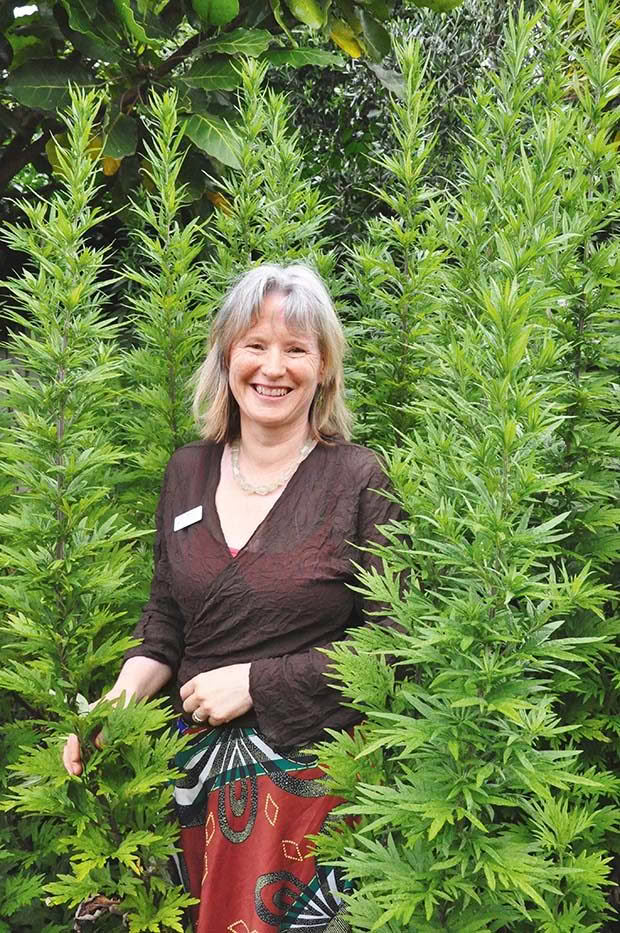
x=127 y=48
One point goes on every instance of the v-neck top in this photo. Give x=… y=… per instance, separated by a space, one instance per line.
x=283 y=595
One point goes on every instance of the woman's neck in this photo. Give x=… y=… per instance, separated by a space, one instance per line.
x=266 y=450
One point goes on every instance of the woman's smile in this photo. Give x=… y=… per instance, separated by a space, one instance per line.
x=272 y=391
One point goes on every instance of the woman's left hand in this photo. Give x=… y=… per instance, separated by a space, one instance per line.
x=218 y=696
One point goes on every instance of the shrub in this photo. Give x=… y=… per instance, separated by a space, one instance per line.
x=66 y=558
x=484 y=803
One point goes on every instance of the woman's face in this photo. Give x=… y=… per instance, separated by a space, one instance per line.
x=273 y=371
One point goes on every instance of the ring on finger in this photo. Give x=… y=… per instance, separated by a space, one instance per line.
x=197 y=717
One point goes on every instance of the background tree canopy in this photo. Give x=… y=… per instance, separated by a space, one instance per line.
x=125 y=48
x=351 y=130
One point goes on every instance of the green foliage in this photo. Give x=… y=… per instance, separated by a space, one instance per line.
x=459 y=49
x=486 y=799
x=110 y=822
x=59 y=395
x=127 y=48
x=66 y=560
x=168 y=319
x=395 y=273
x=590 y=325
x=350 y=131
x=267 y=211
x=540 y=203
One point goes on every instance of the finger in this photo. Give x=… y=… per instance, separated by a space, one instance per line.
x=216 y=721
x=187 y=689
x=71 y=755
x=99 y=740
x=191 y=704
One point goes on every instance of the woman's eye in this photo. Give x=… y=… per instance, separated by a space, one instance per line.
x=297 y=350
x=255 y=346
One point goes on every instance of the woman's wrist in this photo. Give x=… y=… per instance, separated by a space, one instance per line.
x=139 y=677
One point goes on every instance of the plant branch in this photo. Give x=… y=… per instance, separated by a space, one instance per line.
x=22 y=150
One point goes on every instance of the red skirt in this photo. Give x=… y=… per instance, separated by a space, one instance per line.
x=245 y=810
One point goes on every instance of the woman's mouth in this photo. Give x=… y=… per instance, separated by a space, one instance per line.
x=271 y=391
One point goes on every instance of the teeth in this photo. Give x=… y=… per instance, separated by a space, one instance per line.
x=264 y=390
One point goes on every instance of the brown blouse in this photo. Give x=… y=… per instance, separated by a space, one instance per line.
x=284 y=594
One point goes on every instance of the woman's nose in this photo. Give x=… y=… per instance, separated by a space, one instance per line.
x=273 y=362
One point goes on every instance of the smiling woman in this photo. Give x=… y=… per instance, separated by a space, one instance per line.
x=258 y=528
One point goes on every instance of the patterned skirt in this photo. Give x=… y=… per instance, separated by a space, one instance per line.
x=245 y=810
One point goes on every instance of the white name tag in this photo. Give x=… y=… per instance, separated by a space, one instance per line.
x=188 y=518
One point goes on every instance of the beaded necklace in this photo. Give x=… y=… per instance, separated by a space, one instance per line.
x=266 y=488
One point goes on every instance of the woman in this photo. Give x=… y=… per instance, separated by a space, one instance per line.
x=257 y=528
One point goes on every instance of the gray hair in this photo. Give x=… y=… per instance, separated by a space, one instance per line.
x=307 y=308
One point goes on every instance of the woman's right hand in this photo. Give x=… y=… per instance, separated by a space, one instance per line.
x=72 y=753
x=139 y=677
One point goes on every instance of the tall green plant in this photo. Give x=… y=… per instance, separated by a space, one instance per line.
x=476 y=811
x=589 y=322
x=66 y=560
x=394 y=271
x=267 y=211
x=539 y=201
x=168 y=316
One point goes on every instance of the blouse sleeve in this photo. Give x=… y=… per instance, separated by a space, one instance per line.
x=160 y=628
x=293 y=698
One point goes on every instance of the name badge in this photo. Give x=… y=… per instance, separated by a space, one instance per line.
x=188 y=518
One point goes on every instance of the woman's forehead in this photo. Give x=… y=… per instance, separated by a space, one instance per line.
x=279 y=318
